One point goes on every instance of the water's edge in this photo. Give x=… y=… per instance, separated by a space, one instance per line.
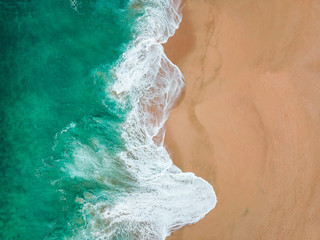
x=167 y=198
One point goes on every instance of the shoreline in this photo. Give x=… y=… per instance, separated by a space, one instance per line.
x=161 y=185
x=248 y=117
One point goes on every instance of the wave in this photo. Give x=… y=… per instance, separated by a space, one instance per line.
x=161 y=198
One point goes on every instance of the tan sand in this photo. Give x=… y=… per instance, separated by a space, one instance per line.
x=249 y=119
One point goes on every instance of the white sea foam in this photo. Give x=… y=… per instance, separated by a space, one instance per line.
x=165 y=198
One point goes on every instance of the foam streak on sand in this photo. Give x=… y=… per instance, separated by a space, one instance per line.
x=164 y=199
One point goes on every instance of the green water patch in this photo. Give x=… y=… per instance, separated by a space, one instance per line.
x=55 y=56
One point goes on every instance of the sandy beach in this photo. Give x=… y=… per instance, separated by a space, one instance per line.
x=248 y=121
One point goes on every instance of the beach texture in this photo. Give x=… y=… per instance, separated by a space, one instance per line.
x=248 y=119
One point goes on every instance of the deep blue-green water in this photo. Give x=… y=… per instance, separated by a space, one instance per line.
x=79 y=159
x=50 y=53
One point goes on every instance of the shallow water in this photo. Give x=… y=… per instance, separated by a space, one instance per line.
x=82 y=157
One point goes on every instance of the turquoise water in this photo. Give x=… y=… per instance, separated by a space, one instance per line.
x=55 y=58
x=85 y=91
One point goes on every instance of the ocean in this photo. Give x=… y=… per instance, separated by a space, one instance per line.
x=85 y=91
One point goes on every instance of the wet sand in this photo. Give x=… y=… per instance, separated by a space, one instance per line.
x=248 y=121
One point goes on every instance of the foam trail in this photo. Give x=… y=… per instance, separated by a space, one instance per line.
x=164 y=198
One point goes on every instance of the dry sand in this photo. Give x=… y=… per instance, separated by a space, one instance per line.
x=249 y=119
